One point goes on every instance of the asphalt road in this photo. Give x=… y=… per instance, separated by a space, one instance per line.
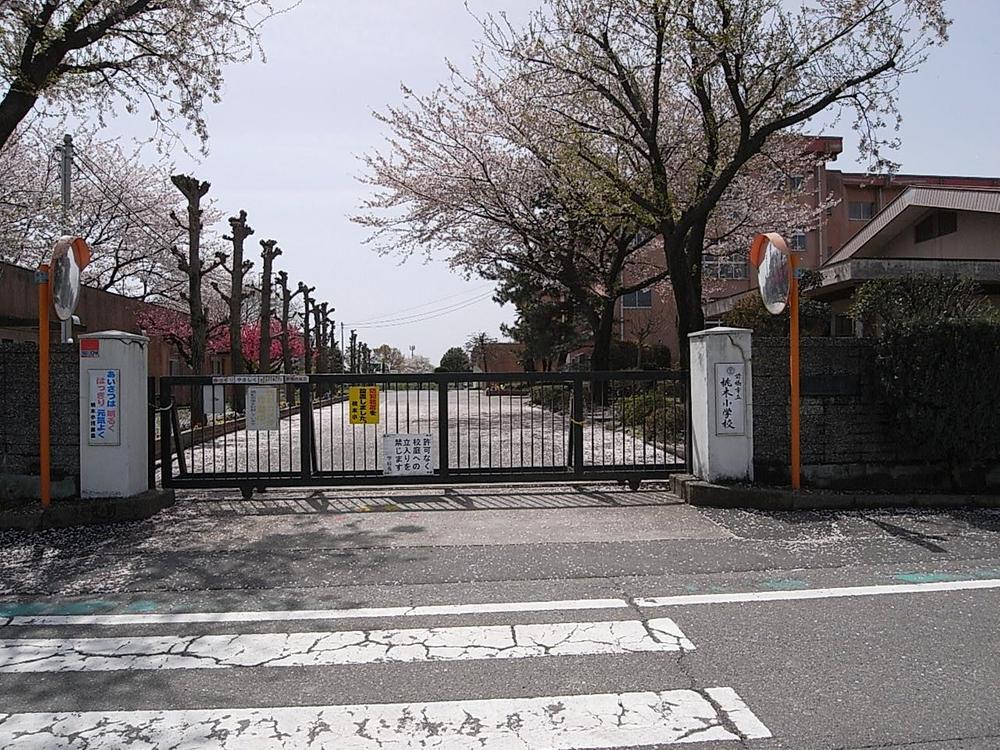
x=502 y=617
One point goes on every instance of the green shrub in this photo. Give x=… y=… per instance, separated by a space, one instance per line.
x=656 y=411
x=554 y=397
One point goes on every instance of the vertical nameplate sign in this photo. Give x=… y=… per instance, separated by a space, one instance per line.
x=730 y=404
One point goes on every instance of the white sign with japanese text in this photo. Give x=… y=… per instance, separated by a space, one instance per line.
x=105 y=407
x=408 y=454
x=262 y=408
x=730 y=404
x=213 y=397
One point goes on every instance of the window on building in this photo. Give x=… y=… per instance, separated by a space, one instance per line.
x=217 y=366
x=643 y=299
x=937 y=224
x=715 y=267
x=795 y=183
x=797 y=241
x=174 y=368
x=843 y=325
x=860 y=210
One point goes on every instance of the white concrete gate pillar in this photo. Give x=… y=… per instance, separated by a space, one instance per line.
x=721 y=405
x=113 y=414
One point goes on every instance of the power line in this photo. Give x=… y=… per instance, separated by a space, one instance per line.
x=391 y=315
x=427 y=317
x=422 y=315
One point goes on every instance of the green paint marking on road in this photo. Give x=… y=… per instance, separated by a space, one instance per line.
x=143 y=605
x=784 y=584
x=929 y=577
x=44 y=608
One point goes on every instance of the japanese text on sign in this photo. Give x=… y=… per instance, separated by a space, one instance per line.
x=408 y=454
x=105 y=407
x=363 y=402
x=730 y=403
x=262 y=408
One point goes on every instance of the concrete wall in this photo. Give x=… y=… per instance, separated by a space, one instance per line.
x=847 y=438
x=19 y=410
x=976 y=239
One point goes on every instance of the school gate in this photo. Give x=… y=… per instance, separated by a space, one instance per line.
x=340 y=429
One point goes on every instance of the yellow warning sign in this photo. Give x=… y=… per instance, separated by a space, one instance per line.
x=363 y=400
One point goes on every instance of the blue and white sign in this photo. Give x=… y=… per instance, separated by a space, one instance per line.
x=105 y=407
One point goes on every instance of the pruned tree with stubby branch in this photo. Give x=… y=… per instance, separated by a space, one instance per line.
x=92 y=57
x=307 y=312
x=269 y=251
x=237 y=293
x=194 y=267
x=287 y=296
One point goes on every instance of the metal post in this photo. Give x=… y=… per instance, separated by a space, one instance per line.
x=793 y=368
x=66 y=173
x=151 y=400
x=305 y=430
x=166 y=455
x=44 y=479
x=443 y=463
x=576 y=425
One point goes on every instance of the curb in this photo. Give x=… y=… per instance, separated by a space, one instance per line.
x=705 y=494
x=87 y=512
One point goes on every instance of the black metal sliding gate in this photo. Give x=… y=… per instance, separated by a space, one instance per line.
x=255 y=432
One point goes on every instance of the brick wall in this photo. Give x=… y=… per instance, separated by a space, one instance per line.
x=19 y=409
x=847 y=438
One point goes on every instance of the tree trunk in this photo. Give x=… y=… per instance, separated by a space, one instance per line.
x=603 y=324
x=13 y=109
x=268 y=252
x=193 y=191
x=240 y=231
x=307 y=332
x=683 y=257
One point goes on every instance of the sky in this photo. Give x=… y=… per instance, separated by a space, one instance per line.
x=286 y=139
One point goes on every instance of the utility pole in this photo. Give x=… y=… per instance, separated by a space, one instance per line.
x=66 y=174
x=342 y=350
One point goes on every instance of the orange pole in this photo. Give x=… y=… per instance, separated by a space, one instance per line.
x=43 y=385
x=793 y=368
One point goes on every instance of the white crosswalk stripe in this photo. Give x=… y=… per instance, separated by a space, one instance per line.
x=573 y=721
x=484 y=720
x=340 y=647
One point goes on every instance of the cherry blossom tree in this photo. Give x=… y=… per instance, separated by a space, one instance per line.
x=250 y=334
x=90 y=57
x=120 y=204
x=473 y=171
x=237 y=291
x=671 y=103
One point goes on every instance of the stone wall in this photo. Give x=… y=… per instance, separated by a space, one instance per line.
x=847 y=438
x=19 y=410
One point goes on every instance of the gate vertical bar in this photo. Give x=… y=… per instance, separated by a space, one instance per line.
x=576 y=424
x=166 y=458
x=689 y=433
x=443 y=466
x=305 y=430
x=151 y=402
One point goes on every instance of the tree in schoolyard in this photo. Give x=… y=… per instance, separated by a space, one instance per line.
x=91 y=58
x=455 y=360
